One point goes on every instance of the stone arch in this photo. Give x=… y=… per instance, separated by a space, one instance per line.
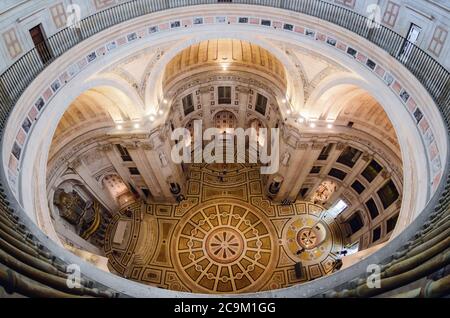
x=154 y=92
x=128 y=103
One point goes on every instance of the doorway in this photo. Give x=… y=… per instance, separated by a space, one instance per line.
x=40 y=43
x=411 y=40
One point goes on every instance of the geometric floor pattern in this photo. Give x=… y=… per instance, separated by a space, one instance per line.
x=226 y=237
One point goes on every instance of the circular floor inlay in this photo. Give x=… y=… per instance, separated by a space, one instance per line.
x=307 y=238
x=224 y=245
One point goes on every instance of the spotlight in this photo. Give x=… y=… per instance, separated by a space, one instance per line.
x=161 y=112
x=119 y=127
x=284 y=101
x=152 y=118
x=301 y=120
x=136 y=126
x=312 y=125
x=288 y=112
x=225 y=66
x=165 y=101
x=330 y=126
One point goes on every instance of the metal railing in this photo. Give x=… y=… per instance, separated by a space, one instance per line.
x=434 y=77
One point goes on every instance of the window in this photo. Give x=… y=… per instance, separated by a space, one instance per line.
x=438 y=40
x=261 y=104
x=224 y=95
x=303 y=192
x=325 y=152
x=58 y=13
x=372 y=207
x=391 y=223
x=391 y=13
x=337 y=209
x=124 y=153
x=376 y=234
x=188 y=104
x=388 y=194
x=372 y=171
x=134 y=171
x=347 y=3
x=12 y=43
x=349 y=156
x=356 y=222
x=358 y=187
x=316 y=169
x=338 y=174
x=101 y=4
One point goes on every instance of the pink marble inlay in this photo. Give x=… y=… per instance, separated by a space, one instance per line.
x=141 y=33
x=209 y=20
x=380 y=71
x=13 y=163
x=186 y=22
x=361 y=57
x=232 y=19
x=101 y=51
x=341 y=46
x=164 y=26
x=277 y=24
x=436 y=181
x=64 y=78
x=433 y=150
x=397 y=87
x=321 y=37
x=21 y=136
x=33 y=113
x=254 y=21
x=47 y=94
x=82 y=64
x=424 y=125
x=299 y=29
x=121 y=41
x=411 y=104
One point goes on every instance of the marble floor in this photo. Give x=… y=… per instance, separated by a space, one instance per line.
x=226 y=237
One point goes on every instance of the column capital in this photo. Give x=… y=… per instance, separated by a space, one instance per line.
x=340 y=146
x=74 y=164
x=105 y=147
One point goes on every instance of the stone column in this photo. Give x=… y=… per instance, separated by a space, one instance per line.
x=120 y=168
x=150 y=177
x=159 y=157
x=93 y=186
x=302 y=170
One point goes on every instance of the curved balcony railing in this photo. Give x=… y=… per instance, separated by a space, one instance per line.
x=31 y=262
x=434 y=77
